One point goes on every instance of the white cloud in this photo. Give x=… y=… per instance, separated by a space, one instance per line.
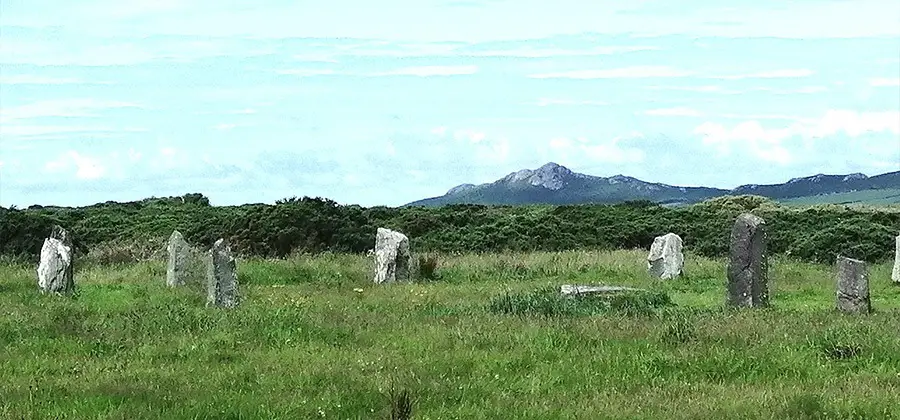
x=626 y=72
x=484 y=148
x=85 y=167
x=14 y=120
x=17 y=130
x=61 y=108
x=493 y=151
x=30 y=79
x=555 y=52
x=773 y=74
x=723 y=91
x=306 y=72
x=705 y=89
x=426 y=71
x=424 y=22
x=766 y=143
x=884 y=81
x=133 y=8
x=581 y=149
x=675 y=112
x=551 y=102
x=472 y=136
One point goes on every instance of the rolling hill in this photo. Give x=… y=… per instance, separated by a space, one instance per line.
x=556 y=184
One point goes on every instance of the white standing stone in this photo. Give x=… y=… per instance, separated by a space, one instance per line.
x=179 y=260
x=392 y=257
x=55 y=271
x=666 y=260
x=580 y=290
x=222 y=285
x=895 y=274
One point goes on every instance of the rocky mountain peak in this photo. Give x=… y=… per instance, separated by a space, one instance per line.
x=460 y=188
x=551 y=176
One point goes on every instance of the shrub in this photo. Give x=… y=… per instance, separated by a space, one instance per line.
x=314 y=225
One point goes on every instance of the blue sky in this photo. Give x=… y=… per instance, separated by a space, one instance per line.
x=392 y=101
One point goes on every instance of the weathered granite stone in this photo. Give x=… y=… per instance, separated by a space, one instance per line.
x=56 y=269
x=392 y=257
x=852 y=286
x=666 y=260
x=895 y=273
x=748 y=269
x=178 y=268
x=578 y=290
x=221 y=282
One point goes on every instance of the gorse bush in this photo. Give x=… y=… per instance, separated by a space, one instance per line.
x=314 y=225
x=127 y=251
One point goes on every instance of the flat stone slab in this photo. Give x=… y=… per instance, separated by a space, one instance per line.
x=579 y=290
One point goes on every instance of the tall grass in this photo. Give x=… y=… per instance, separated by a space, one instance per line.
x=314 y=338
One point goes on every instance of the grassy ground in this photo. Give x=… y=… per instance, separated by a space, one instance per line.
x=315 y=339
x=880 y=197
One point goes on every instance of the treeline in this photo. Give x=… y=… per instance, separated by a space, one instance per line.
x=316 y=225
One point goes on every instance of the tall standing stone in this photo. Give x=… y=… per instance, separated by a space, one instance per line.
x=55 y=271
x=178 y=267
x=895 y=273
x=392 y=257
x=748 y=268
x=666 y=260
x=221 y=278
x=852 y=286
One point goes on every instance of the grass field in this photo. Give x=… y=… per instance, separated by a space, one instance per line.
x=314 y=338
x=879 y=197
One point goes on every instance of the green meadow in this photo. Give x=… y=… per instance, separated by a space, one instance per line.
x=482 y=337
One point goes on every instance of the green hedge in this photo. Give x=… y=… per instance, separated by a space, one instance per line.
x=316 y=225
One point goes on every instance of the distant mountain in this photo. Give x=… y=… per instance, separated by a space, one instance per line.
x=556 y=184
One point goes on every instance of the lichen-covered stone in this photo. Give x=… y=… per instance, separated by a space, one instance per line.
x=579 y=290
x=392 y=257
x=55 y=271
x=222 y=282
x=666 y=260
x=852 y=286
x=748 y=268
x=178 y=268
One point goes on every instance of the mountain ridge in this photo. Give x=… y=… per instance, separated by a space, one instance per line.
x=552 y=183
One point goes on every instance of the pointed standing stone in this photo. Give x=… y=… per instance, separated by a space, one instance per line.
x=852 y=286
x=179 y=260
x=392 y=257
x=56 y=269
x=221 y=276
x=666 y=260
x=895 y=274
x=748 y=269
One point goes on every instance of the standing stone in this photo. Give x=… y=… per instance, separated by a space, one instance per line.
x=666 y=260
x=895 y=274
x=56 y=269
x=392 y=257
x=221 y=275
x=852 y=286
x=748 y=269
x=179 y=260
